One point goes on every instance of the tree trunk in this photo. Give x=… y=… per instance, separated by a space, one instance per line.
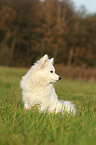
x=70 y=57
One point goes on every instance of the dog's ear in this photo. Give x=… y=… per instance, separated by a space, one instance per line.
x=44 y=60
x=51 y=60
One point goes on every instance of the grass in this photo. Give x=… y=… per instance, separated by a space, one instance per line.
x=18 y=126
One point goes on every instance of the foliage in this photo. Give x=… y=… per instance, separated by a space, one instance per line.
x=19 y=126
x=31 y=28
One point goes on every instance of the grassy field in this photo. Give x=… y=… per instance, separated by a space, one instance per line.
x=21 y=127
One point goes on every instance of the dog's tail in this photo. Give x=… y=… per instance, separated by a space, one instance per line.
x=68 y=107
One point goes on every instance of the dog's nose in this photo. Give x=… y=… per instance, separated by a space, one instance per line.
x=59 y=78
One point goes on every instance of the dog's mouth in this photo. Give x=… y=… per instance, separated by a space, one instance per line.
x=55 y=80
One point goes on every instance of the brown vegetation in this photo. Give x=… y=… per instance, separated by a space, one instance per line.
x=31 y=28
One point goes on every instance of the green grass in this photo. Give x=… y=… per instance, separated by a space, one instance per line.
x=21 y=127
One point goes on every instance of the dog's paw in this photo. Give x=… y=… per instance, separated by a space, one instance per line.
x=26 y=106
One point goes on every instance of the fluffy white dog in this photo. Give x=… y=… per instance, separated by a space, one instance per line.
x=37 y=88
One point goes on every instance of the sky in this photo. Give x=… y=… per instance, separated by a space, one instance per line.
x=89 y=4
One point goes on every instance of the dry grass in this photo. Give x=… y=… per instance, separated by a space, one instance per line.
x=77 y=73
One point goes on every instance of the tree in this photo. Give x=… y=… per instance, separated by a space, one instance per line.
x=7 y=16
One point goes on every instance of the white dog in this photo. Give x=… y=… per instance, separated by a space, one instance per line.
x=37 y=88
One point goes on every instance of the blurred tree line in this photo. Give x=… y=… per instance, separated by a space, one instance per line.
x=31 y=28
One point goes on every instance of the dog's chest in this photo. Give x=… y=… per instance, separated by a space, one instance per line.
x=43 y=91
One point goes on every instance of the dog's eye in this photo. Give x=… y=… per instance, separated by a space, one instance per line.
x=51 y=71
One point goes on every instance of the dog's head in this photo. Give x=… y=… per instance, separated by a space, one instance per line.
x=45 y=70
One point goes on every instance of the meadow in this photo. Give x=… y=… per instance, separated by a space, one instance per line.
x=23 y=127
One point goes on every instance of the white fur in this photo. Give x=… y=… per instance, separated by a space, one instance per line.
x=37 y=88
